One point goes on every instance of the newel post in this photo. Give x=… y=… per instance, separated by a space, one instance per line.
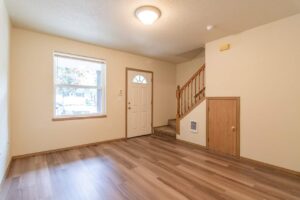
x=178 y=110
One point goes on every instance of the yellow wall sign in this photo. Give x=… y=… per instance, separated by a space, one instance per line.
x=224 y=47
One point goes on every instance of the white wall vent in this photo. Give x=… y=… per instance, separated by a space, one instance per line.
x=193 y=126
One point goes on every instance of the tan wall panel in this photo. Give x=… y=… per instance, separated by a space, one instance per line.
x=262 y=67
x=32 y=93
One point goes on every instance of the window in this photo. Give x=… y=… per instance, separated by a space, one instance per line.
x=139 y=79
x=79 y=86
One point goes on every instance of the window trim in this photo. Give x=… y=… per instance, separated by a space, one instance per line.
x=103 y=88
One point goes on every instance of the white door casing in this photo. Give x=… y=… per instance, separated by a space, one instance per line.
x=139 y=105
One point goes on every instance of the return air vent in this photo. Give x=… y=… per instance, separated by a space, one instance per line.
x=193 y=126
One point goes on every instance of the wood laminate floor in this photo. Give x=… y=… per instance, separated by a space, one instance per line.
x=143 y=168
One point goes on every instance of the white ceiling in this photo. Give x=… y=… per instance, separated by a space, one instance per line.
x=181 y=28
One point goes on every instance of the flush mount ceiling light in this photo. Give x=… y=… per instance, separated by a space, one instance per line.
x=147 y=14
x=210 y=27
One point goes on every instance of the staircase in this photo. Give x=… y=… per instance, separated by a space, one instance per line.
x=191 y=94
x=167 y=132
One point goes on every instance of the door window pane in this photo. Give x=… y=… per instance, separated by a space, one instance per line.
x=139 y=79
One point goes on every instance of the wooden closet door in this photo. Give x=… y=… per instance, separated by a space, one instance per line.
x=223 y=125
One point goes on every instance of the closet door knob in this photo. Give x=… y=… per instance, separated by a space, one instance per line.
x=233 y=128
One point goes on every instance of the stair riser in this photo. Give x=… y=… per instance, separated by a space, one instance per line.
x=164 y=133
x=164 y=137
x=172 y=123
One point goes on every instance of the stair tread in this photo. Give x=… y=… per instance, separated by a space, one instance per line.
x=167 y=130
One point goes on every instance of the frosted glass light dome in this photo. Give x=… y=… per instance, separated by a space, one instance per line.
x=147 y=14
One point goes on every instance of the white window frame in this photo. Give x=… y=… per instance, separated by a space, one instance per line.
x=101 y=87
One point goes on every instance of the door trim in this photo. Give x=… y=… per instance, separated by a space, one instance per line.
x=237 y=126
x=126 y=95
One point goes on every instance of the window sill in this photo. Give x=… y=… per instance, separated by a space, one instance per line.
x=77 y=117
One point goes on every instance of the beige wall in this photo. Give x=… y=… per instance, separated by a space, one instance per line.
x=199 y=115
x=263 y=68
x=4 y=94
x=32 y=93
x=185 y=70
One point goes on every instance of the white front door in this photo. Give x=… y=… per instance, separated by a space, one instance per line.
x=139 y=103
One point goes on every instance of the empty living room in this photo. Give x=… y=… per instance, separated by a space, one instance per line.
x=149 y=99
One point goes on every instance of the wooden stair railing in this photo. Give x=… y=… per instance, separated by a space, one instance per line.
x=191 y=94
